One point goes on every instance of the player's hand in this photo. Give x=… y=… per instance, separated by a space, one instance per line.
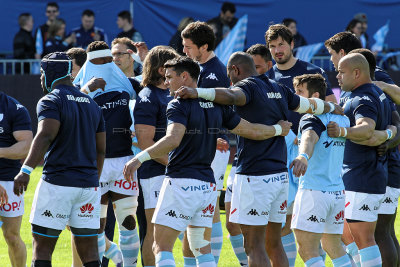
x=380 y=84
x=142 y=50
x=286 y=125
x=130 y=168
x=3 y=196
x=222 y=145
x=299 y=166
x=186 y=92
x=338 y=109
x=296 y=141
x=382 y=149
x=21 y=183
x=333 y=129
x=96 y=83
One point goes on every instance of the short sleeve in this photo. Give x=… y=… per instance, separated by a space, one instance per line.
x=48 y=108
x=145 y=111
x=311 y=122
x=21 y=120
x=102 y=126
x=364 y=107
x=292 y=99
x=176 y=112
x=230 y=119
x=246 y=89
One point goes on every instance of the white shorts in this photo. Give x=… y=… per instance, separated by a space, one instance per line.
x=390 y=201
x=56 y=206
x=259 y=199
x=151 y=190
x=362 y=206
x=218 y=166
x=319 y=211
x=15 y=205
x=185 y=201
x=229 y=184
x=112 y=178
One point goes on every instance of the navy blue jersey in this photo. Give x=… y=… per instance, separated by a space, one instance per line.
x=363 y=170
x=150 y=109
x=213 y=74
x=382 y=75
x=13 y=117
x=84 y=38
x=267 y=102
x=285 y=77
x=115 y=107
x=193 y=157
x=135 y=84
x=71 y=157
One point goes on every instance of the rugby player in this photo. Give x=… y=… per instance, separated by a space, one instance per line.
x=318 y=213
x=261 y=56
x=363 y=171
x=198 y=41
x=15 y=140
x=188 y=194
x=71 y=138
x=261 y=184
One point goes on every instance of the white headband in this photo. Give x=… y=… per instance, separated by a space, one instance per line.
x=99 y=53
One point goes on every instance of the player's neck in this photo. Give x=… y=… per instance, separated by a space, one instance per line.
x=129 y=72
x=127 y=27
x=289 y=64
x=206 y=57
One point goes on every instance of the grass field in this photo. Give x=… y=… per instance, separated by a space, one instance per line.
x=62 y=254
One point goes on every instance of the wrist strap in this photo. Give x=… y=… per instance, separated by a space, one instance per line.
x=344 y=132
x=389 y=134
x=278 y=129
x=206 y=93
x=143 y=156
x=26 y=169
x=305 y=155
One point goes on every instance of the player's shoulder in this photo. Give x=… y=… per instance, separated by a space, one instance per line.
x=11 y=103
x=309 y=67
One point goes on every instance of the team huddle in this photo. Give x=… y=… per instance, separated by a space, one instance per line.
x=306 y=169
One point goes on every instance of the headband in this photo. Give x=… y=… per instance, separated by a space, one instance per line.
x=99 y=53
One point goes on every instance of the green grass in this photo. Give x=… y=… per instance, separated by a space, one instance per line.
x=62 y=254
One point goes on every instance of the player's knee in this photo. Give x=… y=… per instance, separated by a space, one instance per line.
x=12 y=239
x=196 y=240
x=233 y=228
x=125 y=209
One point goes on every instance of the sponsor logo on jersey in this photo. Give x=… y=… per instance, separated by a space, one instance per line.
x=144 y=99
x=274 y=95
x=212 y=76
x=340 y=216
x=79 y=99
x=206 y=104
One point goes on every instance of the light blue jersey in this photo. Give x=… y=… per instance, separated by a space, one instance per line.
x=292 y=152
x=325 y=165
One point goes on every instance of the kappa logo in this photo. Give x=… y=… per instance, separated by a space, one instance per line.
x=340 y=216
x=284 y=205
x=388 y=200
x=313 y=218
x=87 y=208
x=47 y=213
x=212 y=76
x=171 y=213
x=365 y=208
x=144 y=99
x=253 y=212
x=209 y=208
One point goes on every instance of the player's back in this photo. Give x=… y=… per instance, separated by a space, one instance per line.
x=71 y=157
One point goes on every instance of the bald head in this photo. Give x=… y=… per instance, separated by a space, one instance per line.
x=353 y=71
x=240 y=66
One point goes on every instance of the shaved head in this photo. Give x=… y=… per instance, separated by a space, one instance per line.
x=353 y=71
x=356 y=61
x=240 y=66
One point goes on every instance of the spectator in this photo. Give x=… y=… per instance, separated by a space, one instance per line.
x=24 y=44
x=355 y=27
x=124 y=22
x=176 y=40
x=224 y=22
x=87 y=32
x=55 y=41
x=364 y=24
x=299 y=40
x=52 y=12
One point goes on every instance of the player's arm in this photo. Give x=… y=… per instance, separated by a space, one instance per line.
x=306 y=149
x=317 y=106
x=362 y=131
x=391 y=89
x=100 y=151
x=93 y=85
x=20 y=149
x=145 y=136
x=172 y=139
x=47 y=131
x=256 y=131
x=331 y=98
x=222 y=96
x=382 y=149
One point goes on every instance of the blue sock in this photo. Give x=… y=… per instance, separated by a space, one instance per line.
x=165 y=259
x=315 y=262
x=370 y=256
x=352 y=250
x=181 y=235
x=114 y=254
x=343 y=261
x=237 y=245
x=289 y=245
x=216 y=240
x=129 y=244
x=189 y=261
x=206 y=260
x=101 y=243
